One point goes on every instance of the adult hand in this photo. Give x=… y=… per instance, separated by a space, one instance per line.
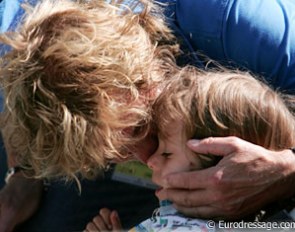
x=106 y=220
x=247 y=178
x=19 y=199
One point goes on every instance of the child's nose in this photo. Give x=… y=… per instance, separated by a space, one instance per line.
x=153 y=162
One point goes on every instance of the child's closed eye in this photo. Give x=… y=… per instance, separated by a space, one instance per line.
x=166 y=154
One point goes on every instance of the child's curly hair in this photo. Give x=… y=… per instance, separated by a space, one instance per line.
x=77 y=75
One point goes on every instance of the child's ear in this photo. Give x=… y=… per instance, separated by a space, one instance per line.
x=209 y=160
x=195 y=161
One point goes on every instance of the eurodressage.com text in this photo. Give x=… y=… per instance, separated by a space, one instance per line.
x=250 y=225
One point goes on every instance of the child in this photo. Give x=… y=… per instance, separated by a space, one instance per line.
x=197 y=104
x=77 y=80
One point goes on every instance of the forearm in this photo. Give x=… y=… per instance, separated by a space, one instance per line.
x=11 y=155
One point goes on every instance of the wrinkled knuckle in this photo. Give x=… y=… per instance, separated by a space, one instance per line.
x=235 y=142
x=265 y=159
x=216 y=180
x=187 y=202
x=208 y=141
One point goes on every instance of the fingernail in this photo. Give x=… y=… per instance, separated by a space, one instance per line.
x=193 y=142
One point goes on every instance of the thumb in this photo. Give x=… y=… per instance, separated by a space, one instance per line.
x=219 y=146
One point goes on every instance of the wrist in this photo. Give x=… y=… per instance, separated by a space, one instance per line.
x=287 y=158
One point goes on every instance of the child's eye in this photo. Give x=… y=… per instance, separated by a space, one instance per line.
x=166 y=154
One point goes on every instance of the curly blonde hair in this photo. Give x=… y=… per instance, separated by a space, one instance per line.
x=78 y=75
x=225 y=102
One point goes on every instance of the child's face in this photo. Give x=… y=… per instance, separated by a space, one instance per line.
x=172 y=155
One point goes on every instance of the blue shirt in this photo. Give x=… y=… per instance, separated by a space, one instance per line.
x=10 y=15
x=258 y=35
x=10 y=12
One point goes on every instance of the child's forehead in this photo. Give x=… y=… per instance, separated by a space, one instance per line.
x=173 y=131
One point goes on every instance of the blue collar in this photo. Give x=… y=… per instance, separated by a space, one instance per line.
x=166 y=208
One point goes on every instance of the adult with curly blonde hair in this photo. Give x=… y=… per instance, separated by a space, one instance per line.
x=74 y=81
x=77 y=81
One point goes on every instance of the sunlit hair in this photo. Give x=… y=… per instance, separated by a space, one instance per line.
x=77 y=75
x=226 y=103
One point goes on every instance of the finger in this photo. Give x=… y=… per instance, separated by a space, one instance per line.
x=99 y=223
x=105 y=214
x=91 y=227
x=190 y=180
x=116 y=222
x=204 y=212
x=220 y=146
x=186 y=198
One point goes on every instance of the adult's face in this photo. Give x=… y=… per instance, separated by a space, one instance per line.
x=145 y=148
